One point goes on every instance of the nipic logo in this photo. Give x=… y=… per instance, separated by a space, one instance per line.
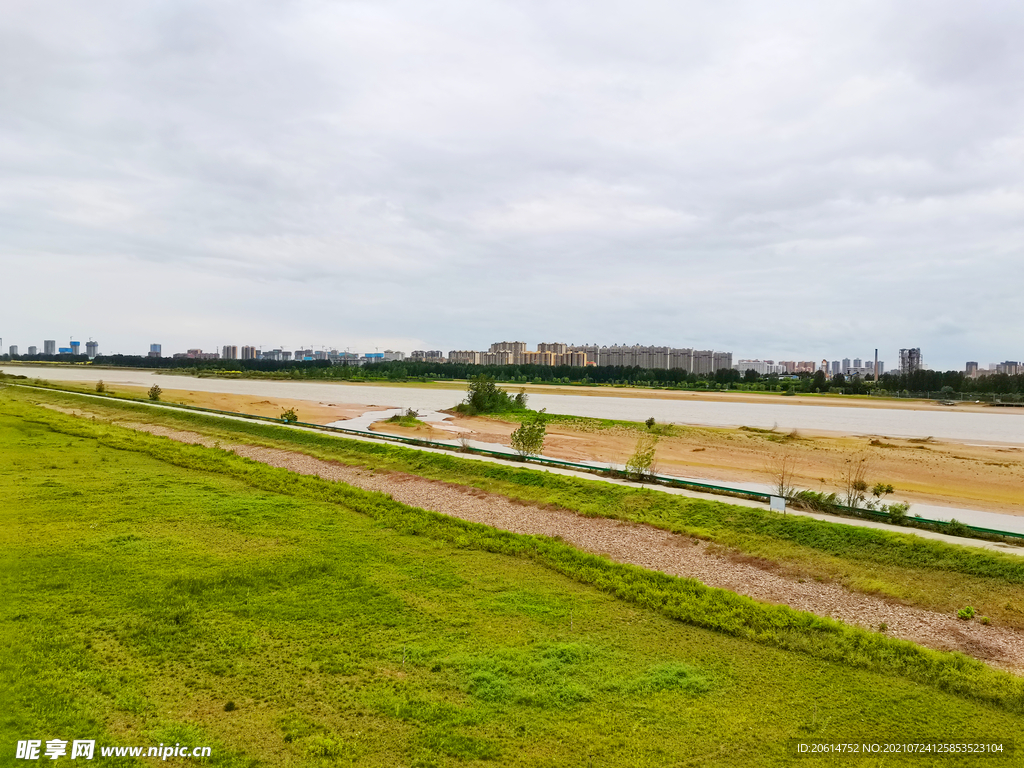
x=85 y=749
x=55 y=748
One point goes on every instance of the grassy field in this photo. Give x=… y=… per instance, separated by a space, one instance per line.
x=156 y=592
x=918 y=571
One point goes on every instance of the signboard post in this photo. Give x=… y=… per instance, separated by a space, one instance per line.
x=778 y=504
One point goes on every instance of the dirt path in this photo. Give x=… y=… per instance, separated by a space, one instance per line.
x=655 y=549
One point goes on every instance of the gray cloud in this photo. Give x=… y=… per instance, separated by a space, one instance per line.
x=781 y=180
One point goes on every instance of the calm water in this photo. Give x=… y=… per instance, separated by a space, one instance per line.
x=1000 y=426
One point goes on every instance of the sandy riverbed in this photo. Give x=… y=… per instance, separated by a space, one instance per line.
x=941 y=473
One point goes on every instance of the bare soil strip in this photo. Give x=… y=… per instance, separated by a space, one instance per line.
x=655 y=549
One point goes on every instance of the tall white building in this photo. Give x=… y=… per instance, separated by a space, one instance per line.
x=763 y=367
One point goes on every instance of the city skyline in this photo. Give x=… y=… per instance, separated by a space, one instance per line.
x=833 y=365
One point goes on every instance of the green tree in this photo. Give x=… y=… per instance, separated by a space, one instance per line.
x=520 y=399
x=155 y=392
x=484 y=396
x=641 y=464
x=528 y=437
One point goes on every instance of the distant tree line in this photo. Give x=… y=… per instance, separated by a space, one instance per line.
x=65 y=358
x=144 y=361
x=955 y=382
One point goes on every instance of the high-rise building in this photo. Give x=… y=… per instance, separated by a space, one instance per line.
x=761 y=367
x=92 y=348
x=846 y=363
x=33 y=350
x=248 y=353
x=515 y=347
x=498 y=357
x=557 y=348
x=971 y=369
x=198 y=354
x=49 y=347
x=836 y=367
x=229 y=352
x=910 y=360
x=464 y=356
x=75 y=347
x=427 y=356
x=13 y=350
x=699 y=361
x=155 y=350
x=858 y=363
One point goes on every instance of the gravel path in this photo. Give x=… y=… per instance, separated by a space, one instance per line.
x=656 y=549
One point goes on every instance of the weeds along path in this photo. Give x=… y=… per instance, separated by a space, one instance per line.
x=652 y=548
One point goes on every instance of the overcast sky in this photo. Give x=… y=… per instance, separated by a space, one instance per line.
x=779 y=180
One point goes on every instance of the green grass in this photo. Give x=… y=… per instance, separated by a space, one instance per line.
x=406 y=420
x=148 y=583
x=918 y=571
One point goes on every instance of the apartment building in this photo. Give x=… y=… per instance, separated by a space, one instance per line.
x=464 y=356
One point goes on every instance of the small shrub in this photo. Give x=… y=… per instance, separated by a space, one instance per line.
x=883 y=627
x=649 y=422
x=406 y=419
x=956 y=528
x=965 y=614
x=230 y=707
x=985 y=620
x=897 y=513
x=528 y=437
x=817 y=502
x=641 y=464
x=289 y=416
x=155 y=392
x=100 y=386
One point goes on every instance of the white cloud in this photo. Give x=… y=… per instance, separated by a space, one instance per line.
x=782 y=180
